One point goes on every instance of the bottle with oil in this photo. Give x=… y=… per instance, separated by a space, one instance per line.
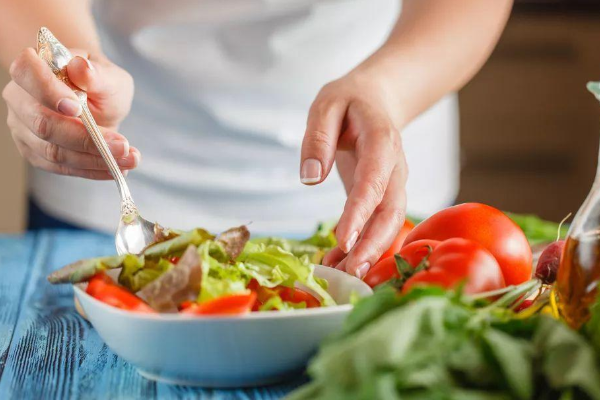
x=579 y=272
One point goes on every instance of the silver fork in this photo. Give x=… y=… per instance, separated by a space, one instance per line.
x=134 y=232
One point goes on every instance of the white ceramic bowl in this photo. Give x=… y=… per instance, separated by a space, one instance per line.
x=254 y=349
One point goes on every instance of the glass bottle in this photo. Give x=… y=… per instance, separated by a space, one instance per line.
x=579 y=271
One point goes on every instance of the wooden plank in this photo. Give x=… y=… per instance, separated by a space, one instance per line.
x=55 y=354
x=15 y=252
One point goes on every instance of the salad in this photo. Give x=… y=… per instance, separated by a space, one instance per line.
x=197 y=273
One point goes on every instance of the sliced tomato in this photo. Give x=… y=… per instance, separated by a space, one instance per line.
x=398 y=240
x=98 y=283
x=186 y=304
x=234 y=304
x=295 y=295
x=292 y=295
x=102 y=288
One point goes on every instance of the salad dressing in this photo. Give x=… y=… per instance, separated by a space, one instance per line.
x=579 y=271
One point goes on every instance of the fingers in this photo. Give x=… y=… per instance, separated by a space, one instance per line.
x=333 y=257
x=381 y=229
x=55 y=154
x=60 y=155
x=61 y=169
x=36 y=78
x=82 y=73
x=54 y=128
x=320 y=140
x=377 y=154
x=109 y=87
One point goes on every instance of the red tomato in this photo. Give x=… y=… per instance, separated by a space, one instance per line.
x=399 y=240
x=295 y=295
x=234 y=304
x=292 y=295
x=186 y=304
x=101 y=287
x=487 y=226
x=174 y=259
x=386 y=269
x=452 y=262
x=98 y=283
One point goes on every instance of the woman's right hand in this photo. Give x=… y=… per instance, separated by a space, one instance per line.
x=42 y=114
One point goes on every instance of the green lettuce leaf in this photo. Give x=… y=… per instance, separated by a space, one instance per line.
x=218 y=278
x=136 y=273
x=313 y=247
x=272 y=266
x=276 y=303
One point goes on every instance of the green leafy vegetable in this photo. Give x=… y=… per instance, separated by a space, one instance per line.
x=136 y=273
x=431 y=344
x=276 y=303
x=538 y=230
x=313 y=247
x=272 y=266
x=83 y=270
x=178 y=244
x=218 y=278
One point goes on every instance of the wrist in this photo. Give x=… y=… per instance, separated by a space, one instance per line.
x=378 y=76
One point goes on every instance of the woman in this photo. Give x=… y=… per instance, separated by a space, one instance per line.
x=225 y=111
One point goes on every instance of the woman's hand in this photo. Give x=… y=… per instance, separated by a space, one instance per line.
x=353 y=122
x=42 y=114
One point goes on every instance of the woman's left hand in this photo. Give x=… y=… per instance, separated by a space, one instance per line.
x=353 y=121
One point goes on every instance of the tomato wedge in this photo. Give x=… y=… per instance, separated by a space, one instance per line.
x=102 y=288
x=291 y=295
x=234 y=304
x=295 y=295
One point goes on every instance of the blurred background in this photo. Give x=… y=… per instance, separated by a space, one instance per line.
x=529 y=128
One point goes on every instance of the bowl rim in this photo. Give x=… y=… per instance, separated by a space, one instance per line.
x=182 y=318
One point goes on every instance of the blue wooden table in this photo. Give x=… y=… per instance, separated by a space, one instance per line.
x=47 y=351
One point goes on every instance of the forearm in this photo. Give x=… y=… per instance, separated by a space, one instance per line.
x=70 y=20
x=435 y=48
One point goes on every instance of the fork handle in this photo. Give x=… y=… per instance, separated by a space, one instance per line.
x=127 y=205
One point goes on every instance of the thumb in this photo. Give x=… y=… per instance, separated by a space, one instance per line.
x=320 y=140
x=84 y=75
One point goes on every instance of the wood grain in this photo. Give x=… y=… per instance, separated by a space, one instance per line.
x=50 y=352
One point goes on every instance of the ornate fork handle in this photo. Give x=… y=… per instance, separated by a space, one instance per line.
x=57 y=57
x=127 y=204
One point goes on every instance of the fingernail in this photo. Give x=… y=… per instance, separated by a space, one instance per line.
x=138 y=157
x=89 y=64
x=362 y=270
x=128 y=161
x=119 y=148
x=352 y=241
x=69 y=107
x=310 y=172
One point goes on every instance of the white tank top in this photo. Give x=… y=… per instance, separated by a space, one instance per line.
x=222 y=93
